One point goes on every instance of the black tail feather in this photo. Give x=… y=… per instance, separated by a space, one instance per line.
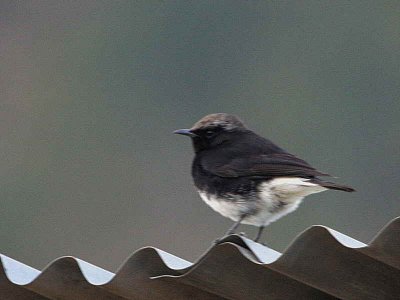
x=334 y=186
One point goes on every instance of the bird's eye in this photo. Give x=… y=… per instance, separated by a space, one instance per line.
x=209 y=133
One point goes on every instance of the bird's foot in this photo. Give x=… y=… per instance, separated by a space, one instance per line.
x=261 y=243
x=218 y=240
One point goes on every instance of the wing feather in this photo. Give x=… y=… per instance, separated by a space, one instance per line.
x=264 y=166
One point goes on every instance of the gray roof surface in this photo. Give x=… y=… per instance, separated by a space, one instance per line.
x=319 y=264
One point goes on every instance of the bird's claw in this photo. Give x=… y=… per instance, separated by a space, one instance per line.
x=261 y=243
x=218 y=241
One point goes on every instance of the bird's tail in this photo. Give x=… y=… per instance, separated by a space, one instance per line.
x=334 y=186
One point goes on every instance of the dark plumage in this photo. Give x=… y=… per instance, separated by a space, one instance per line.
x=246 y=177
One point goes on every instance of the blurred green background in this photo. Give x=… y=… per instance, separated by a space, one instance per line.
x=91 y=91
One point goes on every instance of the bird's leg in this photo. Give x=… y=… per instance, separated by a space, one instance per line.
x=260 y=230
x=234 y=226
x=232 y=229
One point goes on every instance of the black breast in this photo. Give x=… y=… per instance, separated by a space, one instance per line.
x=220 y=186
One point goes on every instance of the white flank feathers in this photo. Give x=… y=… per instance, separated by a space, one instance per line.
x=276 y=198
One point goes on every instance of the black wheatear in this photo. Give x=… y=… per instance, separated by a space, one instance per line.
x=246 y=177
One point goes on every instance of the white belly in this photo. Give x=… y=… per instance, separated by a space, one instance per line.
x=276 y=198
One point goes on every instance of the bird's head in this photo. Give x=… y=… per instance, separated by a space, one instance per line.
x=213 y=130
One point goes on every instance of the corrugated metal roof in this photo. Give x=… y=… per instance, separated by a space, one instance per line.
x=319 y=264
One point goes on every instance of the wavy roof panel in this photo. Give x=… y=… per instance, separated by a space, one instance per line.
x=321 y=263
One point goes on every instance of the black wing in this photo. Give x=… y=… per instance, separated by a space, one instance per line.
x=264 y=166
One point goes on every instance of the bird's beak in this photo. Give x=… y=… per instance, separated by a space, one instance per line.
x=185 y=132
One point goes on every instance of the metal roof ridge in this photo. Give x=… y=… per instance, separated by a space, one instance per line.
x=169 y=265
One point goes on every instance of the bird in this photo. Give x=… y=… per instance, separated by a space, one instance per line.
x=246 y=177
